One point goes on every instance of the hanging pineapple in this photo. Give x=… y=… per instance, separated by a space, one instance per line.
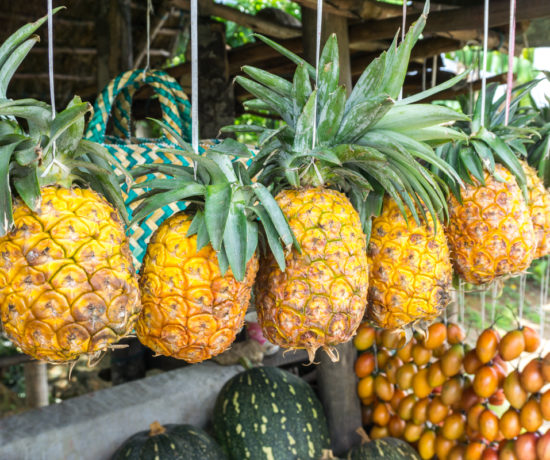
x=490 y=229
x=200 y=265
x=329 y=167
x=67 y=284
x=410 y=267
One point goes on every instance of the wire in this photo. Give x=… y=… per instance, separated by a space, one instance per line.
x=50 y=57
x=149 y=11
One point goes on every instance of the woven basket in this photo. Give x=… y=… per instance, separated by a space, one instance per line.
x=116 y=100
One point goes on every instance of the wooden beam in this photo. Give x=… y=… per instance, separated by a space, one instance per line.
x=26 y=18
x=57 y=76
x=356 y=9
x=64 y=50
x=454 y=19
x=36 y=384
x=257 y=24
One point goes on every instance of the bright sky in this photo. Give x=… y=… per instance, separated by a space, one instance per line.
x=542 y=62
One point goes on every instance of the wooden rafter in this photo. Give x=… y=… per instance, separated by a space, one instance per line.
x=257 y=24
x=454 y=19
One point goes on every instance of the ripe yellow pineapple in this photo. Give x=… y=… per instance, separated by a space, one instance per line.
x=319 y=300
x=190 y=310
x=410 y=269
x=539 y=208
x=329 y=184
x=491 y=233
x=68 y=286
x=200 y=265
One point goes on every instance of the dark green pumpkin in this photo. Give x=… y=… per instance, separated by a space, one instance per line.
x=385 y=448
x=170 y=442
x=266 y=413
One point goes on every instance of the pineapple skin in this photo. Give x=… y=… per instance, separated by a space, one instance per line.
x=490 y=234
x=410 y=269
x=67 y=283
x=539 y=209
x=320 y=299
x=190 y=311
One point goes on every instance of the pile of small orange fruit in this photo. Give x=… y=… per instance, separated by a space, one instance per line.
x=452 y=402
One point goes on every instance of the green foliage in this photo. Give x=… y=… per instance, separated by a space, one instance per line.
x=238 y=35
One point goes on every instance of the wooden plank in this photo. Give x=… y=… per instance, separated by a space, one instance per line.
x=453 y=19
x=257 y=24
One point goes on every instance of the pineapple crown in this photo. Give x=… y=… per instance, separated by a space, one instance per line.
x=367 y=144
x=539 y=151
x=492 y=141
x=50 y=150
x=228 y=209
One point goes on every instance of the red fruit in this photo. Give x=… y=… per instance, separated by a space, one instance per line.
x=453 y=427
x=498 y=398
x=435 y=336
x=531 y=376
x=474 y=450
x=455 y=334
x=365 y=337
x=506 y=451
x=451 y=361
x=469 y=398
x=532 y=339
x=514 y=392
x=545 y=405
x=526 y=446
x=531 y=416
x=457 y=453
x=485 y=382
x=512 y=345
x=488 y=425
x=472 y=362
x=364 y=365
x=383 y=388
x=451 y=391
x=396 y=426
x=472 y=416
x=487 y=345
x=490 y=453
x=543 y=446
x=510 y=423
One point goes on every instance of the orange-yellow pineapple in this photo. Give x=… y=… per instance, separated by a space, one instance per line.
x=491 y=234
x=190 y=310
x=319 y=300
x=539 y=208
x=68 y=286
x=410 y=269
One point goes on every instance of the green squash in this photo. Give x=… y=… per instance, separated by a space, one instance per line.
x=170 y=442
x=266 y=413
x=385 y=448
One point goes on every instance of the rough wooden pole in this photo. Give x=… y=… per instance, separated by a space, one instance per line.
x=332 y=24
x=216 y=96
x=337 y=381
x=338 y=391
x=36 y=384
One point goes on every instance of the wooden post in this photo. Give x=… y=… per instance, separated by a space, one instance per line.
x=337 y=381
x=216 y=96
x=36 y=384
x=332 y=24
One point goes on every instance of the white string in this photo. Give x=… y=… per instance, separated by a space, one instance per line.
x=511 y=48
x=484 y=66
x=482 y=299
x=494 y=293
x=522 y=279
x=424 y=75
x=317 y=57
x=194 y=79
x=403 y=25
x=50 y=57
x=434 y=71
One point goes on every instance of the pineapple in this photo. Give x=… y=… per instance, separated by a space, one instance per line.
x=410 y=268
x=491 y=233
x=330 y=184
x=539 y=210
x=67 y=284
x=200 y=265
x=490 y=229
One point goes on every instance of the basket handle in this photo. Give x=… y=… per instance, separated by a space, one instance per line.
x=116 y=100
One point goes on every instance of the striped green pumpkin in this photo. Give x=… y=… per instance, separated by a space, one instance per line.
x=385 y=448
x=269 y=414
x=170 y=442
